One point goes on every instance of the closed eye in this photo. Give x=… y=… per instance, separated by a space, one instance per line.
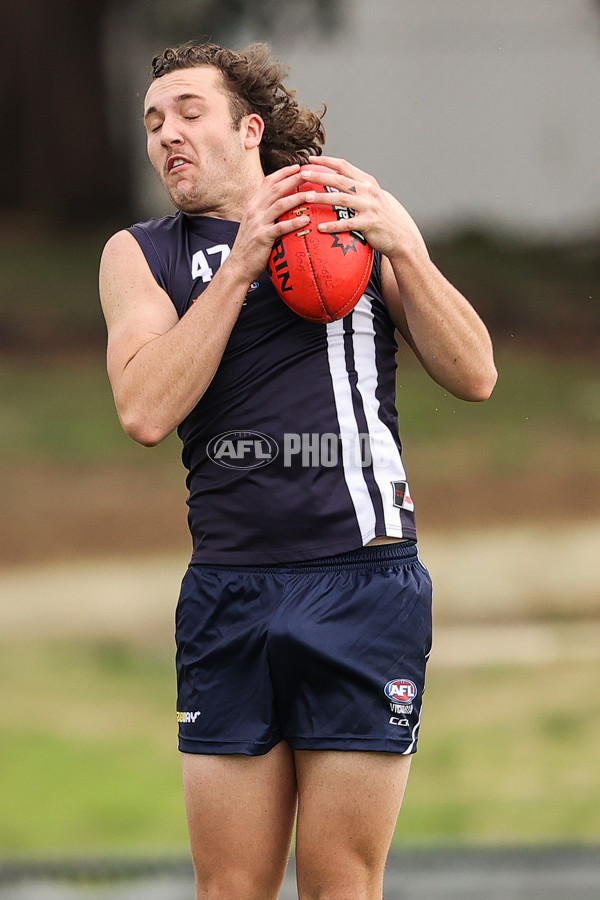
x=153 y=124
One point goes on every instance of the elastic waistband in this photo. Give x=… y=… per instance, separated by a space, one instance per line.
x=373 y=556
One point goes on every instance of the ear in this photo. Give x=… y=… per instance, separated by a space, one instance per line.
x=253 y=127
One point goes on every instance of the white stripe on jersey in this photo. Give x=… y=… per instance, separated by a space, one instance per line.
x=387 y=463
x=359 y=494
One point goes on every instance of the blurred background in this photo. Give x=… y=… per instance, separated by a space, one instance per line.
x=483 y=120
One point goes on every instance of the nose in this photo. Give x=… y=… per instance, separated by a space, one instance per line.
x=170 y=132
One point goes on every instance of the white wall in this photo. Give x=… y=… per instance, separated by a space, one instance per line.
x=470 y=111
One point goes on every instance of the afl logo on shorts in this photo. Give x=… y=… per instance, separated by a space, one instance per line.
x=401 y=690
x=242 y=449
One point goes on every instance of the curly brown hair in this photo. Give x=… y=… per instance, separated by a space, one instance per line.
x=254 y=81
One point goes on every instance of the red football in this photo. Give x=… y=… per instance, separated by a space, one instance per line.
x=320 y=276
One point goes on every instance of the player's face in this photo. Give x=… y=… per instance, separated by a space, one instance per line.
x=200 y=156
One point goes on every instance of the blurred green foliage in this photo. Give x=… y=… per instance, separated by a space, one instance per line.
x=530 y=295
x=49 y=295
x=59 y=409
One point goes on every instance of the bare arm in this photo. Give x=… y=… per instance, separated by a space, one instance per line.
x=435 y=319
x=440 y=325
x=160 y=366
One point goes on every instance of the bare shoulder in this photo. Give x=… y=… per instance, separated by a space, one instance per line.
x=123 y=268
x=135 y=307
x=128 y=287
x=118 y=249
x=119 y=241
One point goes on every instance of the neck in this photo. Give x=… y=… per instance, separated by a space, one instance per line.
x=234 y=198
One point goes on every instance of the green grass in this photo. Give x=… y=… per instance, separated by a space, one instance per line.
x=68 y=794
x=507 y=755
x=61 y=410
x=540 y=406
x=87 y=742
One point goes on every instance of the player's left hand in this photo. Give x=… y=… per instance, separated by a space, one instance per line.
x=385 y=223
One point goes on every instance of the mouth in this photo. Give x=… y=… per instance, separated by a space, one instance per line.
x=174 y=163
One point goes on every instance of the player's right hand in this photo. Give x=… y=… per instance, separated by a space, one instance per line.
x=259 y=228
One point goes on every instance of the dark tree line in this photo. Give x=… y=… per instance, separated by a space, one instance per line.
x=56 y=159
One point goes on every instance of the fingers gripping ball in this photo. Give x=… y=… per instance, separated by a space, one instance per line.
x=320 y=276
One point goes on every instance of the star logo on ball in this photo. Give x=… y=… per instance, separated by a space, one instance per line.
x=344 y=247
x=306 y=270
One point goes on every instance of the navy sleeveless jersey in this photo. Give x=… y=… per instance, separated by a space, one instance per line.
x=293 y=452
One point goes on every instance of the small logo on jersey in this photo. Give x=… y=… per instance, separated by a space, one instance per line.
x=253 y=287
x=187 y=718
x=242 y=449
x=396 y=720
x=402 y=498
x=401 y=692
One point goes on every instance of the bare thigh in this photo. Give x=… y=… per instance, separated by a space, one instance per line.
x=240 y=813
x=348 y=804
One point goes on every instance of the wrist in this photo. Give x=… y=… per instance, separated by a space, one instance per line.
x=233 y=278
x=410 y=255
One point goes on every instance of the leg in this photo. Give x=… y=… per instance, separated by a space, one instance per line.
x=240 y=812
x=348 y=804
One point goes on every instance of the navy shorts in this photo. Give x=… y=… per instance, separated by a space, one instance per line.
x=328 y=654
